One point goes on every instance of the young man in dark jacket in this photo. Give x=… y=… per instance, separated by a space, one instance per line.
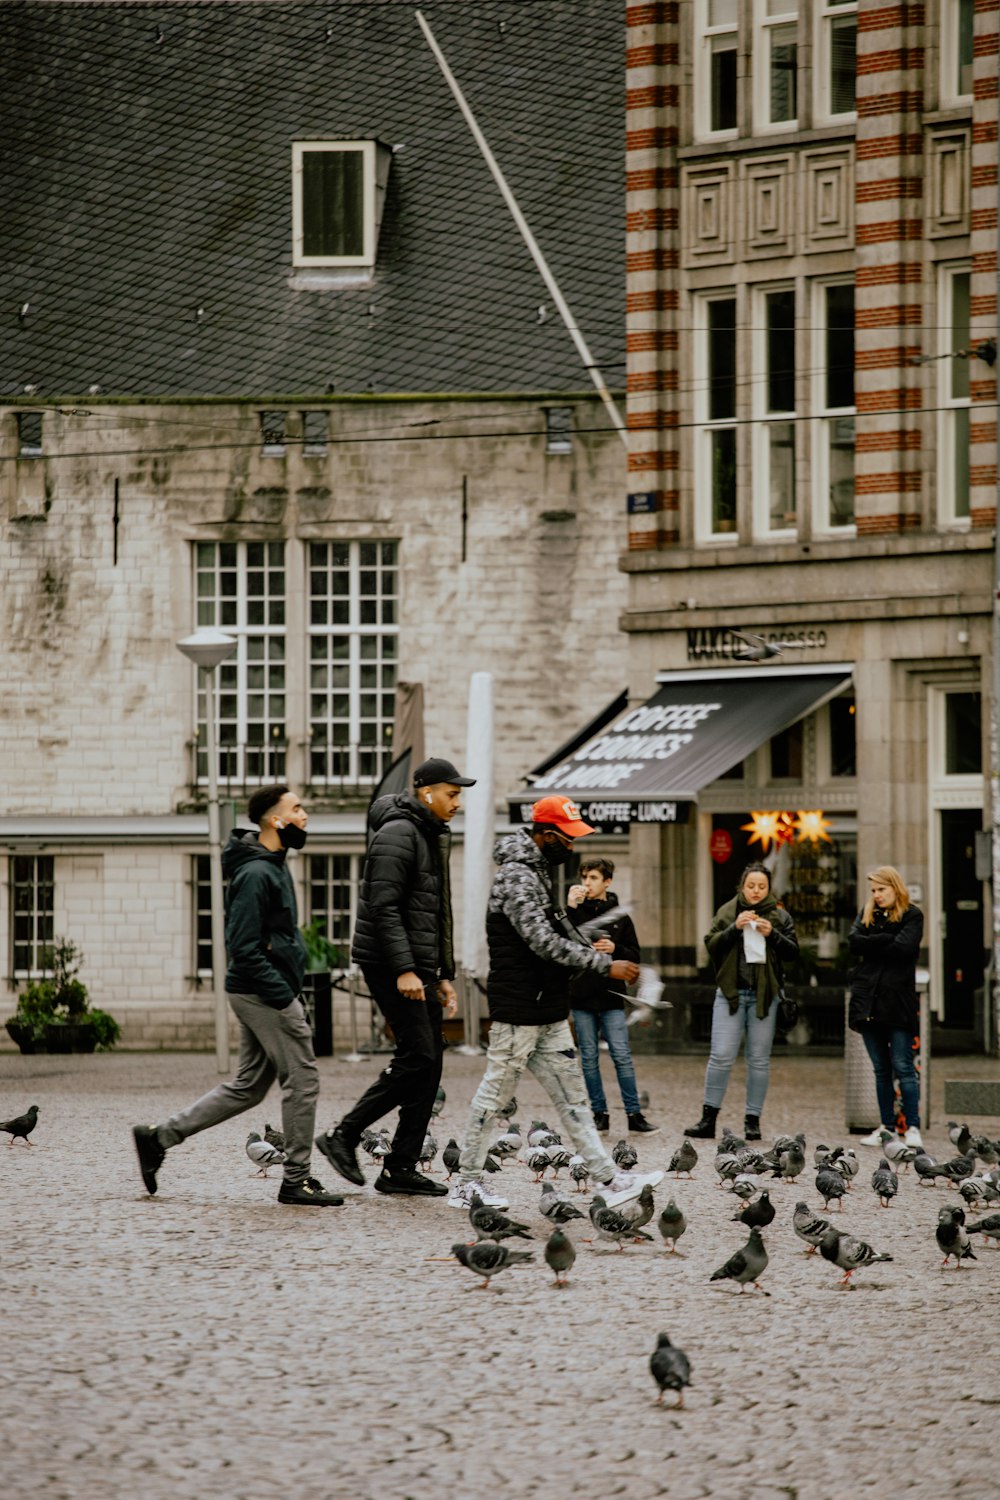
x=598 y=1004
x=267 y=960
x=403 y=942
x=534 y=951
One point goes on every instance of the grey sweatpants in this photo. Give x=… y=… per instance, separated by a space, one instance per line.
x=273 y=1044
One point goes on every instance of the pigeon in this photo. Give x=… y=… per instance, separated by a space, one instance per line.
x=451 y=1156
x=952 y=1236
x=490 y=1163
x=784 y=1143
x=559 y=1157
x=849 y=1254
x=612 y=1225
x=274 y=1137
x=985 y=1149
x=540 y=1134
x=959 y=1168
x=507 y=1111
x=727 y=1164
x=579 y=1173
x=757 y=1214
x=790 y=1162
x=671 y=1225
x=885 y=1183
x=684 y=1159
x=428 y=1151
x=671 y=1369
x=895 y=1150
x=744 y=1186
x=21 y=1126
x=486 y=1258
x=262 y=1154
x=830 y=1186
x=821 y=1155
x=560 y=1253
x=730 y=1142
x=492 y=1224
x=439 y=1102
x=979 y=1192
x=847 y=1164
x=624 y=1156
x=927 y=1168
x=639 y=1210
x=989 y=1228
x=375 y=1143
x=809 y=1226
x=556 y=1208
x=508 y=1144
x=538 y=1160
x=746 y=1265
x=960 y=1136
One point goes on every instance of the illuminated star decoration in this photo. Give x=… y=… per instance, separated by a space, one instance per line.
x=766 y=828
x=812 y=826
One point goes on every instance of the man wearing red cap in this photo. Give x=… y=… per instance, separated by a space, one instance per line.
x=533 y=954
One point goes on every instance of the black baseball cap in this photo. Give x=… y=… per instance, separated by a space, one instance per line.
x=433 y=771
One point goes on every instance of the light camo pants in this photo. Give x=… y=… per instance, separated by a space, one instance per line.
x=548 y=1052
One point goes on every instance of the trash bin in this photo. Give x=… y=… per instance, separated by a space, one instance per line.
x=860 y=1100
x=317 y=996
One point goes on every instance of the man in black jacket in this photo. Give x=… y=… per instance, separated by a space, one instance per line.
x=403 y=942
x=267 y=960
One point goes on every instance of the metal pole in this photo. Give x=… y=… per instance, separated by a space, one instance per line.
x=215 y=878
x=925 y=1058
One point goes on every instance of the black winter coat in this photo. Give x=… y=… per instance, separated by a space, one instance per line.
x=267 y=953
x=595 y=992
x=883 y=986
x=404 y=904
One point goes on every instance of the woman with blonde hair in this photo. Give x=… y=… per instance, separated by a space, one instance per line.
x=886 y=938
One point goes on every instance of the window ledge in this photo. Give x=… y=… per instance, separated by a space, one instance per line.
x=329 y=278
x=735 y=147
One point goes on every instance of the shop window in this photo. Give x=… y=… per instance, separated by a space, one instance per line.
x=963 y=734
x=843 y=736
x=786 y=754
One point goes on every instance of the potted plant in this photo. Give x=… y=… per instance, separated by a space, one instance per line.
x=322 y=954
x=53 y=1013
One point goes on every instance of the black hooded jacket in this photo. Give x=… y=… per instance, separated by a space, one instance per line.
x=267 y=954
x=884 y=984
x=595 y=992
x=404 y=904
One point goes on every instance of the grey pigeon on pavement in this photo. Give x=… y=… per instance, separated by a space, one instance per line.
x=989 y=1228
x=490 y=1163
x=492 y=1224
x=639 y=1210
x=560 y=1253
x=847 y=1164
x=985 y=1149
x=885 y=1183
x=809 y=1226
x=559 y=1157
x=508 y=1144
x=960 y=1136
x=849 y=1254
x=538 y=1160
x=790 y=1162
x=979 y=1192
x=274 y=1137
x=952 y=1236
x=671 y=1369
x=262 y=1154
x=671 y=1225
x=612 y=1225
x=895 y=1150
x=760 y=1212
x=684 y=1159
x=927 y=1169
x=821 y=1154
x=745 y=1265
x=540 y=1134
x=486 y=1258
x=959 y=1168
x=556 y=1208
x=579 y=1172
x=440 y=1099
x=451 y=1156
x=624 y=1156
x=428 y=1151
x=507 y=1111
x=21 y=1126
x=744 y=1186
x=830 y=1186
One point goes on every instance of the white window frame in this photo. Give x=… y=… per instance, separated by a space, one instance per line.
x=42 y=921
x=353 y=883
x=764 y=419
x=826 y=13
x=704 y=37
x=200 y=972
x=764 y=25
x=949 y=29
x=367 y=152
x=949 y=434
x=823 y=415
x=705 y=426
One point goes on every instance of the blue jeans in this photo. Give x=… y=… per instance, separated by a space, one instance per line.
x=727 y=1032
x=892 y=1052
x=590 y=1026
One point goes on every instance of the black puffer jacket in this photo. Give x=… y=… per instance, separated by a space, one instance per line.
x=884 y=984
x=595 y=992
x=404 y=905
x=267 y=954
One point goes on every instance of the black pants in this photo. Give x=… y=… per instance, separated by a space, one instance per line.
x=410 y=1082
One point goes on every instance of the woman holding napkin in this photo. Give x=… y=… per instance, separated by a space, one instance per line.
x=750 y=940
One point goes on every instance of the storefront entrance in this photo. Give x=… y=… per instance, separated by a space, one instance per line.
x=962 y=954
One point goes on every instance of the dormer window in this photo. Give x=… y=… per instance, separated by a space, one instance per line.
x=338 y=188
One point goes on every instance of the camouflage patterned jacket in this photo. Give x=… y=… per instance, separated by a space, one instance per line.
x=531 y=959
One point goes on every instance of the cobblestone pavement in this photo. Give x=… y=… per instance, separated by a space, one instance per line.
x=211 y=1343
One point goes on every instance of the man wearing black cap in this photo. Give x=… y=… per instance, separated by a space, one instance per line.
x=403 y=943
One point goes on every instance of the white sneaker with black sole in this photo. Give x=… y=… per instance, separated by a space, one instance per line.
x=913 y=1137
x=462 y=1194
x=626 y=1185
x=875 y=1139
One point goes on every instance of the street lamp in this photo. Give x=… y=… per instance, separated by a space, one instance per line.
x=208 y=648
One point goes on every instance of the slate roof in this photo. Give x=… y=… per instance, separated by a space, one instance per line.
x=147 y=172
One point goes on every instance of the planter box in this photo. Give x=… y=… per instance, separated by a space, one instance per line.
x=72 y=1036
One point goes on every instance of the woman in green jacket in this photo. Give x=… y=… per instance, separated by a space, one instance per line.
x=750 y=940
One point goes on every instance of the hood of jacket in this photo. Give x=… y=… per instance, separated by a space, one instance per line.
x=401 y=805
x=520 y=848
x=590 y=908
x=244 y=845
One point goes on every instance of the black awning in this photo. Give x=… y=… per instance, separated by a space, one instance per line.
x=696 y=726
x=588 y=732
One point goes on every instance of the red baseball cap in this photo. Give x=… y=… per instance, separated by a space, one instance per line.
x=560 y=813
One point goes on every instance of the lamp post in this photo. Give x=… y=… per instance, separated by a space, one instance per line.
x=208 y=648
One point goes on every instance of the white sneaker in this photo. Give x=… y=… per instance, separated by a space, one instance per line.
x=462 y=1194
x=875 y=1139
x=913 y=1137
x=626 y=1185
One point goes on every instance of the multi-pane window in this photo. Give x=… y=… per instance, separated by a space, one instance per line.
x=201 y=913
x=957 y=38
x=953 y=374
x=774 y=467
x=315 y=433
x=29 y=434
x=835 y=405
x=333 y=203
x=838 y=46
x=715 y=92
x=272 y=433
x=240 y=589
x=332 y=884
x=715 y=398
x=776 y=55
x=32 y=897
x=558 y=429
x=842 y=716
x=353 y=652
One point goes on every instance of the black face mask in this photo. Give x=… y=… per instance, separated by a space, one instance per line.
x=292 y=836
x=555 y=853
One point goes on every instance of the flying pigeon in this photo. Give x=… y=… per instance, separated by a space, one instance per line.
x=952 y=1236
x=671 y=1369
x=556 y=1208
x=262 y=1154
x=493 y=1224
x=684 y=1159
x=746 y=1265
x=486 y=1258
x=757 y=1214
x=560 y=1253
x=809 y=1226
x=671 y=1225
x=849 y=1254
x=612 y=1225
x=21 y=1126
x=624 y=1156
x=885 y=1183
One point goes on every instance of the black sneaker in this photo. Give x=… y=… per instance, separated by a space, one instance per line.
x=602 y=1123
x=409 y=1181
x=150 y=1154
x=340 y=1156
x=309 y=1194
x=639 y=1123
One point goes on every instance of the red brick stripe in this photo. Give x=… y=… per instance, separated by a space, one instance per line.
x=655 y=421
x=982 y=432
x=663 y=459
x=651 y=380
x=983 y=390
x=891 y=60
x=984 y=306
x=983 y=132
x=875 y=525
x=644 y=178
x=889 y=145
x=900 y=315
x=895 y=482
x=895 y=356
x=898 y=102
x=650 y=338
x=650 y=218
x=901 y=399
x=900 y=273
x=655 y=55
x=983 y=474
x=984 y=176
x=659 y=13
x=899 y=440
x=889 y=187
x=983 y=218
x=888 y=230
x=653 y=96
x=656 y=135
x=660 y=298
x=888 y=17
